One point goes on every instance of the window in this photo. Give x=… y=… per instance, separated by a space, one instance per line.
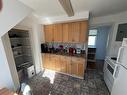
x=92 y=37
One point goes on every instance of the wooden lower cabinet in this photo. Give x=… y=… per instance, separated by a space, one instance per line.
x=68 y=59
x=45 y=61
x=57 y=63
x=81 y=69
x=74 y=68
x=63 y=63
x=70 y=65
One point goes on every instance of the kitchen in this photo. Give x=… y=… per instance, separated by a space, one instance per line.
x=65 y=44
x=62 y=51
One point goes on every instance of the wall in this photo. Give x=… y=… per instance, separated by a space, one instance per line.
x=113 y=20
x=5 y=74
x=12 y=13
x=101 y=41
x=10 y=59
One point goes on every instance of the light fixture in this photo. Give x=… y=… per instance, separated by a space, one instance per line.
x=66 y=4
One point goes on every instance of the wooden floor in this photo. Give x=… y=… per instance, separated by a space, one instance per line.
x=98 y=65
x=5 y=91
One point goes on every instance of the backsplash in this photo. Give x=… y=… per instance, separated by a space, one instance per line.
x=67 y=45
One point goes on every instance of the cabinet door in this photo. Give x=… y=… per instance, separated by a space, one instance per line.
x=69 y=65
x=83 y=31
x=46 y=63
x=57 y=63
x=52 y=60
x=74 y=67
x=63 y=63
x=65 y=32
x=81 y=68
x=57 y=32
x=48 y=31
x=74 y=32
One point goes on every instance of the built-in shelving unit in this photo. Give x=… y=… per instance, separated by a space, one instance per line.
x=91 y=62
x=20 y=43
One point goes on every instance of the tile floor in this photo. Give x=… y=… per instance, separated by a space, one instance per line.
x=51 y=83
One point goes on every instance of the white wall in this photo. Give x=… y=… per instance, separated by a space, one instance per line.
x=10 y=60
x=113 y=20
x=12 y=13
x=101 y=41
x=5 y=74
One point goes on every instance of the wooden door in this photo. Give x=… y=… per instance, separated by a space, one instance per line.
x=74 y=32
x=57 y=63
x=69 y=65
x=65 y=32
x=48 y=31
x=52 y=60
x=46 y=63
x=63 y=62
x=57 y=32
x=83 y=31
x=74 y=67
x=81 y=67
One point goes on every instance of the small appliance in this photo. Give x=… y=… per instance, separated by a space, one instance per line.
x=78 y=51
x=44 y=48
x=72 y=51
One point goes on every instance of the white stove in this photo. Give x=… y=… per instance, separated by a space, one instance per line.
x=109 y=70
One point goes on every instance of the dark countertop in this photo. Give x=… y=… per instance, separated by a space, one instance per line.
x=83 y=55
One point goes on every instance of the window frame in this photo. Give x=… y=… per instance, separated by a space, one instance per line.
x=93 y=35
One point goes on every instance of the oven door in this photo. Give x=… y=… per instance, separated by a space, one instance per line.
x=110 y=70
x=108 y=74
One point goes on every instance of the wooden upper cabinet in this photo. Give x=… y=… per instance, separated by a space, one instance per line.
x=83 y=32
x=48 y=31
x=74 y=32
x=57 y=32
x=65 y=32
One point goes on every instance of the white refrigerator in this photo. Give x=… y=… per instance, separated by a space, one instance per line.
x=120 y=75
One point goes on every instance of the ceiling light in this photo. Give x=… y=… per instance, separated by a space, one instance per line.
x=66 y=4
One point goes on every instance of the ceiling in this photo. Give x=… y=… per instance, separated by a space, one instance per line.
x=52 y=8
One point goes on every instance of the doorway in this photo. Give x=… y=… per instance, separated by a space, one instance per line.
x=97 y=44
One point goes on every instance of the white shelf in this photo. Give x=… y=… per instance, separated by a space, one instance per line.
x=19 y=38
x=18 y=56
x=25 y=63
x=22 y=55
x=17 y=47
